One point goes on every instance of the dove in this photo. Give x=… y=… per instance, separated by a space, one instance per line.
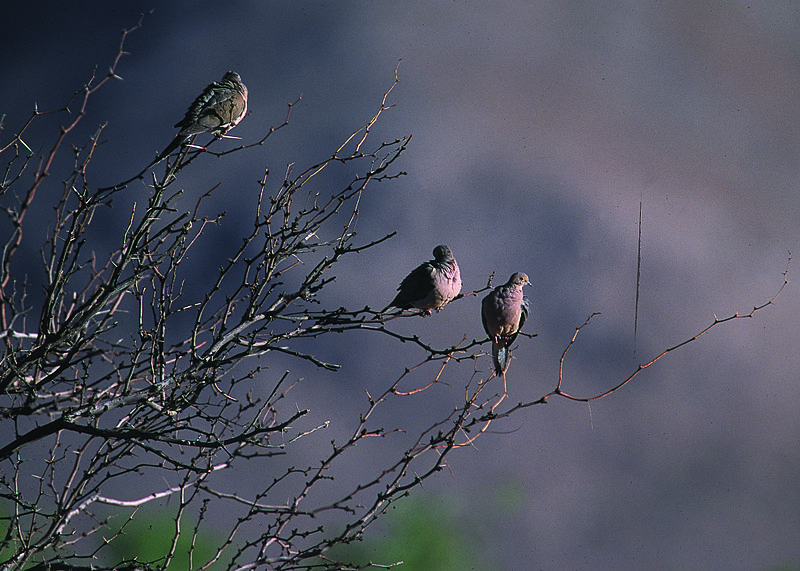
x=217 y=110
x=430 y=285
x=504 y=312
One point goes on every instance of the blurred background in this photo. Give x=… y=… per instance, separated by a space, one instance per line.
x=538 y=128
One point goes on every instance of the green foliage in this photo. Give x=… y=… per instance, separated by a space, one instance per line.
x=6 y=534
x=147 y=538
x=426 y=539
x=423 y=533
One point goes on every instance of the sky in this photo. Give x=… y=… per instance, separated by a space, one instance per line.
x=538 y=130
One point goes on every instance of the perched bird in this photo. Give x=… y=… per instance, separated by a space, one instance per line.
x=504 y=312
x=431 y=285
x=217 y=110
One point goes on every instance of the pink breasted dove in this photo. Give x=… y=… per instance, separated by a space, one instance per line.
x=430 y=285
x=504 y=312
x=217 y=110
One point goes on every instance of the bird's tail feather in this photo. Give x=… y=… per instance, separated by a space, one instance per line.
x=176 y=142
x=500 y=358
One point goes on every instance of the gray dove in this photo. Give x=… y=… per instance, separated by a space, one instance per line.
x=217 y=110
x=430 y=285
x=504 y=312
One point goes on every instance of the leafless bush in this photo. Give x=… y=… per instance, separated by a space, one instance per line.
x=119 y=372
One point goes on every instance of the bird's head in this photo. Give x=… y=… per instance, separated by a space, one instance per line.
x=442 y=253
x=519 y=279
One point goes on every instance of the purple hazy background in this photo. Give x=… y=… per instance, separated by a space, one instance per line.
x=537 y=129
